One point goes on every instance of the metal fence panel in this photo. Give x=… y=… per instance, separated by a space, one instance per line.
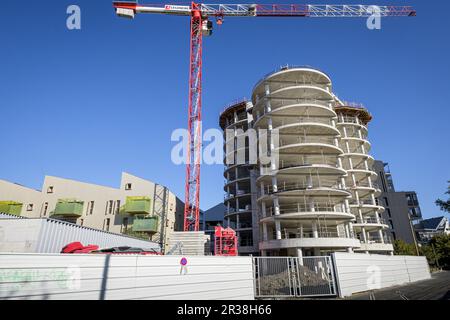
x=281 y=277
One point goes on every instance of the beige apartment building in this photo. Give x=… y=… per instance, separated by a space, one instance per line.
x=137 y=206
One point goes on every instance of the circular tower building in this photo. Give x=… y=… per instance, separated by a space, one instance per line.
x=239 y=173
x=303 y=200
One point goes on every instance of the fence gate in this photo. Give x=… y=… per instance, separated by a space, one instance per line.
x=279 y=277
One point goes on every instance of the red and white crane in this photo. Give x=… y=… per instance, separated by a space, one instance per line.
x=201 y=25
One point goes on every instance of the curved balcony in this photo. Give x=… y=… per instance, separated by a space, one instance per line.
x=236 y=180
x=297 y=238
x=351 y=121
x=239 y=194
x=291 y=75
x=307 y=145
x=315 y=109
x=301 y=189
x=370 y=224
x=366 y=206
x=355 y=143
x=289 y=211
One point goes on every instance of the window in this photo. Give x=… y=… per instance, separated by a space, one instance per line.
x=124 y=225
x=50 y=189
x=109 y=207
x=90 y=208
x=128 y=186
x=44 y=209
x=389 y=213
x=30 y=207
x=117 y=210
x=394 y=236
x=386 y=201
x=106 y=224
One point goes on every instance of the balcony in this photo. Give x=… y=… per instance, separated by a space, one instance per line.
x=11 y=207
x=147 y=224
x=69 y=208
x=137 y=205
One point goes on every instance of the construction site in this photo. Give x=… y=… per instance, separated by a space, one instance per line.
x=306 y=224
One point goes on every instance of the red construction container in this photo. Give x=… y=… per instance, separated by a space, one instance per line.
x=225 y=242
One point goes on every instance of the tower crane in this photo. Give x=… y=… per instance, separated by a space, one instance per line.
x=201 y=25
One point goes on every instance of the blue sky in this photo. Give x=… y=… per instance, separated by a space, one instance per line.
x=90 y=104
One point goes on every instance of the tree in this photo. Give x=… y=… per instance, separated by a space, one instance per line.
x=441 y=245
x=401 y=248
x=444 y=205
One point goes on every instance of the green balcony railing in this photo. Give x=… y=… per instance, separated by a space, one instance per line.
x=11 y=207
x=69 y=208
x=137 y=205
x=147 y=224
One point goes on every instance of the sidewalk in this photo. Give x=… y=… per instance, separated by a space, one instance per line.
x=437 y=288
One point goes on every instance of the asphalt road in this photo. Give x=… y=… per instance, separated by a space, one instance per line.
x=437 y=288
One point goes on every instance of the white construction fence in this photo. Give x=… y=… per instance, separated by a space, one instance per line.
x=117 y=277
x=366 y=272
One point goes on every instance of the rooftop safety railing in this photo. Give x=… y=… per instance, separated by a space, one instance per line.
x=286 y=67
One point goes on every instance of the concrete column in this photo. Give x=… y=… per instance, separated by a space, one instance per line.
x=380 y=235
x=265 y=233
x=364 y=235
x=299 y=253
x=276 y=205
x=275 y=184
x=278 y=229
x=315 y=231
x=237 y=222
x=263 y=209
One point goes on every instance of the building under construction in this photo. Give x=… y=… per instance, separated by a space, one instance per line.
x=320 y=195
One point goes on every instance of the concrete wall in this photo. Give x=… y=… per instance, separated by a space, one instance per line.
x=92 y=277
x=50 y=236
x=364 y=272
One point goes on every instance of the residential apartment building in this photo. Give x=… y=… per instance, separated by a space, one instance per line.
x=137 y=206
x=402 y=209
x=429 y=228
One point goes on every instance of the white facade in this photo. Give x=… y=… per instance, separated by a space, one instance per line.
x=100 y=207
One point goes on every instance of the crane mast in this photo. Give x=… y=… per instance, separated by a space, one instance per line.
x=201 y=26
